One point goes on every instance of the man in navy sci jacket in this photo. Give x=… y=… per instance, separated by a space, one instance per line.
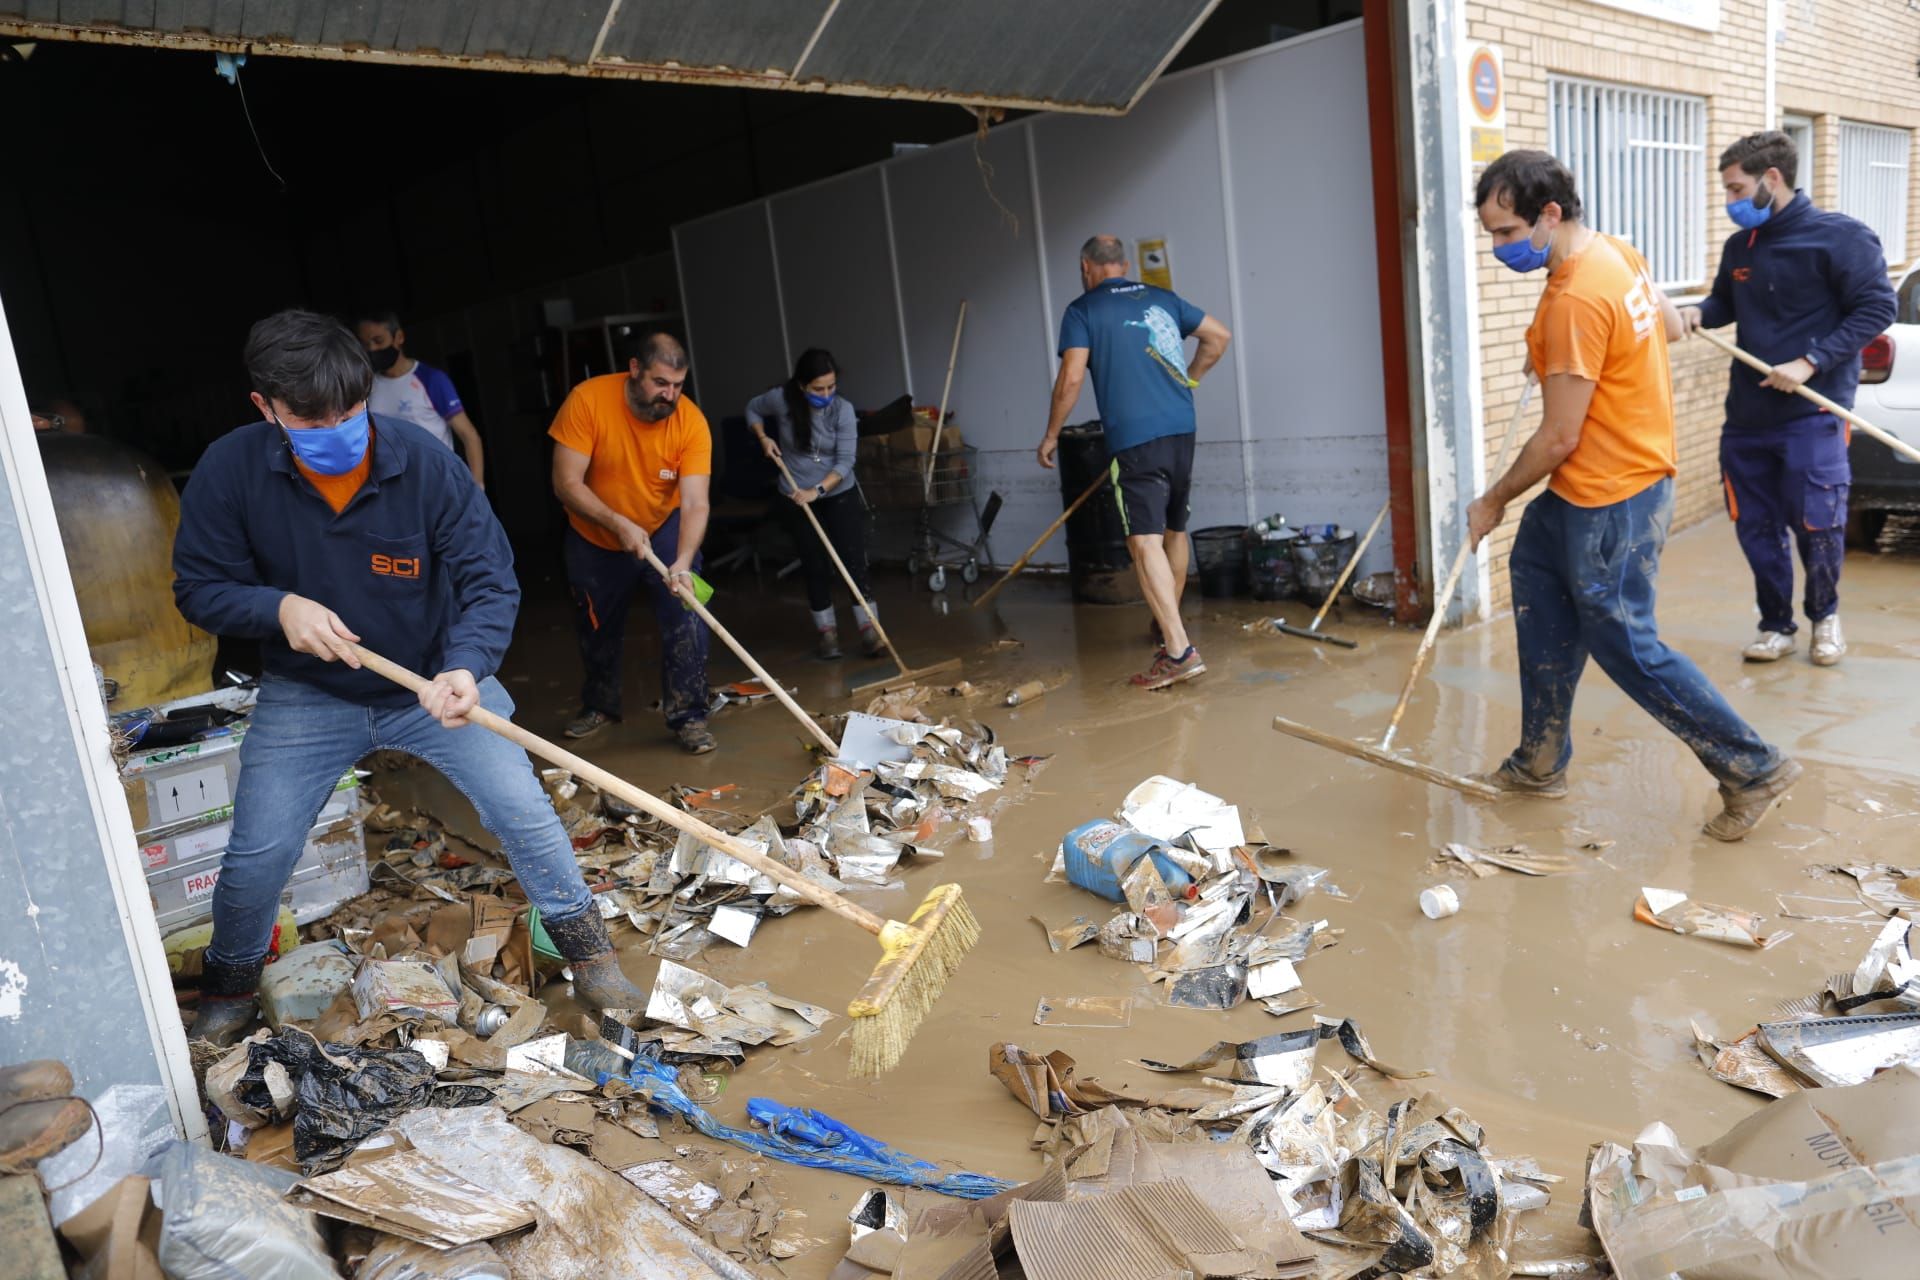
x=1808 y=289
x=319 y=526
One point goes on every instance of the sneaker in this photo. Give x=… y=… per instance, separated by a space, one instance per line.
x=586 y=724
x=1742 y=810
x=1167 y=670
x=1829 y=646
x=1511 y=780
x=828 y=647
x=695 y=737
x=1768 y=646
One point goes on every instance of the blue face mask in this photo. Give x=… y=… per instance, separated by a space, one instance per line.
x=332 y=451
x=1748 y=214
x=818 y=402
x=1522 y=256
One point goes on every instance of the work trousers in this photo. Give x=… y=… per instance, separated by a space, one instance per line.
x=604 y=584
x=300 y=740
x=1790 y=480
x=844 y=517
x=1583 y=585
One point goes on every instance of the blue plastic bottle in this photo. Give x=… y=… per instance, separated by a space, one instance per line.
x=1099 y=854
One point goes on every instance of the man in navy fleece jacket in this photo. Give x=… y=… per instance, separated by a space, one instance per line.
x=317 y=527
x=1808 y=289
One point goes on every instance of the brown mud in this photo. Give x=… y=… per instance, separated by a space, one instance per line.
x=1546 y=1012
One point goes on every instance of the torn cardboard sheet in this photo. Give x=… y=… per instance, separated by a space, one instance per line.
x=1144 y=1232
x=408 y=1195
x=751 y=1015
x=1886 y=888
x=1743 y=1063
x=1673 y=911
x=1047 y=1084
x=1818 y=1184
x=1079 y=930
x=1285 y=1058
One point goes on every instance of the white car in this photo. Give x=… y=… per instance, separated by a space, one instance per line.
x=1889 y=398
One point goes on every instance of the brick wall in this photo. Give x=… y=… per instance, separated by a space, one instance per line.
x=1864 y=49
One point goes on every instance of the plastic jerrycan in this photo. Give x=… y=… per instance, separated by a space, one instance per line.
x=1099 y=854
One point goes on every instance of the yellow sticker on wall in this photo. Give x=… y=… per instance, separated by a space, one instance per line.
x=1156 y=268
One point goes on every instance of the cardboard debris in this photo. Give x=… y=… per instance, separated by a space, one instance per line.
x=1510 y=857
x=1049 y=1085
x=1079 y=930
x=1285 y=1058
x=1822 y=1184
x=1673 y=911
x=1887 y=889
x=1744 y=1062
x=750 y=1015
x=1832 y=1052
x=1168 y=810
x=406 y=1194
x=118 y=1235
x=407 y=987
x=1144 y=1232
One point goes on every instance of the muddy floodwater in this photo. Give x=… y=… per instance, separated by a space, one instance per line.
x=1544 y=1010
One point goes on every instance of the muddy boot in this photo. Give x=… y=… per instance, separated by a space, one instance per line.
x=227 y=1003
x=827 y=647
x=870 y=641
x=38 y=1115
x=695 y=738
x=1743 y=809
x=1511 y=780
x=597 y=980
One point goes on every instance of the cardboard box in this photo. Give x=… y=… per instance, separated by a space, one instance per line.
x=919 y=439
x=180 y=842
x=175 y=786
x=333 y=862
x=1824 y=1182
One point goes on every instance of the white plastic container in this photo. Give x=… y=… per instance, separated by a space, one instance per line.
x=1439 y=902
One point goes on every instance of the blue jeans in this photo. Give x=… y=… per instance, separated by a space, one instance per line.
x=1583 y=586
x=298 y=744
x=1788 y=485
x=604 y=584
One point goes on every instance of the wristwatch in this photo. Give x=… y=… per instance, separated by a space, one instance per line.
x=1812 y=359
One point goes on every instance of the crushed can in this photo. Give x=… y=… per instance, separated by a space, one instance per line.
x=1100 y=853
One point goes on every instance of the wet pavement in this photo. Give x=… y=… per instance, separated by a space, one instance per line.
x=1546 y=1012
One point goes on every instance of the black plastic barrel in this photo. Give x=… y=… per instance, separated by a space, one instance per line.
x=1220 y=561
x=1097 y=559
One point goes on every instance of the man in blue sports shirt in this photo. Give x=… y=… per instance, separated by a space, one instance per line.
x=319 y=507
x=1131 y=338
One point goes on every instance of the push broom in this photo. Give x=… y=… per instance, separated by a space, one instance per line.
x=1312 y=630
x=917 y=958
x=1041 y=541
x=1383 y=755
x=902 y=672
x=740 y=651
x=1892 y=442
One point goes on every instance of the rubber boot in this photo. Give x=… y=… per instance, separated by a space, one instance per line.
x=227 y=1000
x=597 y=980
x=39 y=1117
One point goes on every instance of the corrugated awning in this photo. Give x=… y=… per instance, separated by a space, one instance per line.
x=1061 y=55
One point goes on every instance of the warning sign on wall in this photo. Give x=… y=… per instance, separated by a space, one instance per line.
x=1156 y=267
x=1486 y=104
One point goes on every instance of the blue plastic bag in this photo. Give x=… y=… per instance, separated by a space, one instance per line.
x=810 y=1138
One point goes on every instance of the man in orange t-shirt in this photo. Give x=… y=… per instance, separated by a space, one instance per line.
x=632 y=462
x=1588 y=549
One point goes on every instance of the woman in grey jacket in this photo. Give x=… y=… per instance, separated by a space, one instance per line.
x=805 y=422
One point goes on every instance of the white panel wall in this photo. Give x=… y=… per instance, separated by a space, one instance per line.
x=836 y=278
x=1307 y=437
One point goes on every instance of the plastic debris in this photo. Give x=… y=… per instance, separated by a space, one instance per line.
x=406 y=1194
x=804 y=1137
x=749 y=1015
x=1084 y=1011
x=1673 y=911
x=1510 y=857
x=223 y=1217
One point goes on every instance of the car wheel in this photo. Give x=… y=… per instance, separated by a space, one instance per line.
x=1863 y=529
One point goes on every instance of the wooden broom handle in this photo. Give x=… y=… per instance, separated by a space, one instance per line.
x=1445 y=597
x=940 y=422
x=740 y=651
x=1892 y=442
x=1352 y=564
x=846 y=575
x=678 y=819
x=1041 y=541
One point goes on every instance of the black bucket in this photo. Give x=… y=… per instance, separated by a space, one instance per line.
x=1318 y=562
x=1270 y=567
x=1097 y=559
x=1220 y=560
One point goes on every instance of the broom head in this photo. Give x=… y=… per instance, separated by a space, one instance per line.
x=917 y=959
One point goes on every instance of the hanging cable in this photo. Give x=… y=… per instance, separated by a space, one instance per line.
x=227 y=67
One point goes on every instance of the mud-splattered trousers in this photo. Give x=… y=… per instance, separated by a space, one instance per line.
x=1583 y=586
x=300 y=740
x=604 y=583
x=1786 y=480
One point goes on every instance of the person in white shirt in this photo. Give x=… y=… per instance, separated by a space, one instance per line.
x=417 y=392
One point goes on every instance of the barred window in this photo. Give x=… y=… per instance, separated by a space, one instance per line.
x=1873 y=181
x=1640 y=158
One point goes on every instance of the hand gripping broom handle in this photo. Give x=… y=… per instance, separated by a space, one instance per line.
x=1445 y=597
x=1847 y=415
x=740 y=651
x=846 y=575
x=626 y=791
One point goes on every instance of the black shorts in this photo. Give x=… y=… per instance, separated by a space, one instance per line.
x=1151 y=482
